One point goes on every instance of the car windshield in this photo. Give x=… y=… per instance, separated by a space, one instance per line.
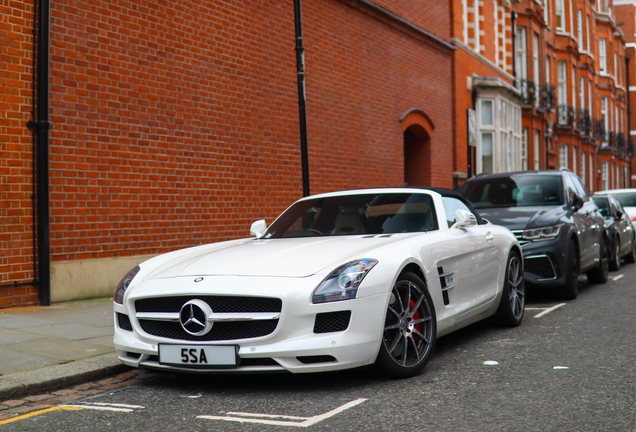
x=603 y=205
x=627 y=199
x=381 y=213
x=514 y=191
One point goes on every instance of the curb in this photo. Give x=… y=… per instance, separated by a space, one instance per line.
x=51 y=378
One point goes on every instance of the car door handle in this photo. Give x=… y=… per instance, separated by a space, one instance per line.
x=490 y=237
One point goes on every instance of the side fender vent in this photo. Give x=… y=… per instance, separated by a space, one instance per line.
x=445 y=279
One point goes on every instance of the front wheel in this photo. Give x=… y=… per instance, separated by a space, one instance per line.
x=630 y=258
x=513 y=298
x=615 y=255
x=600 y=273
x=410 y=329
x=570 y=289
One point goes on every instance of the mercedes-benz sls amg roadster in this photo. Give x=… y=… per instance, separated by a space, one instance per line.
x=337 y=281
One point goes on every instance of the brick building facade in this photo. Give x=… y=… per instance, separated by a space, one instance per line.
x=176 y=124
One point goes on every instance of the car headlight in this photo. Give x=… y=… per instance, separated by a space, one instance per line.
x=543 y=233
x=343 y=282
x=123 y=285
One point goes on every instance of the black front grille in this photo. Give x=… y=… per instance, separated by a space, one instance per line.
x=316 y=359
x=232 y=330
x=219 y=304
x=332 y=322
x=124 y=321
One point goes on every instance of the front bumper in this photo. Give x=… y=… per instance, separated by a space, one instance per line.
x=545 y=262
x=293 y=345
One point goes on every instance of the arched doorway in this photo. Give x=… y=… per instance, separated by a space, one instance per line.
x=417 y=128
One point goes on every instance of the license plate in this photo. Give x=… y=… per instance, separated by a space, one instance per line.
x=199 y=356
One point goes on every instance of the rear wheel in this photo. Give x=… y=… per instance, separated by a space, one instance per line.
x=630 y=258
x=615 y=255
x=513 y=298
x=599 y=274
x=410 y=329
x=571 y=287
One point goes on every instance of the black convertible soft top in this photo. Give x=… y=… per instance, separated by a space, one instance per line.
x=452 y=194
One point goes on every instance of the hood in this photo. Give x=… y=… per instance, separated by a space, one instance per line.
x=293 y=257
x=517 y=218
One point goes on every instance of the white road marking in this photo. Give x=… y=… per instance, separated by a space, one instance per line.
x=560 y=367
x=105 y=406
x=547 y=311
x=617 y=277
x=491 y=363
x=102 y=408
x=114 y=405
x=293 y=421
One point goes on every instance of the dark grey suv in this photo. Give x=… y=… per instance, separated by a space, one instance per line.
x=560 y=228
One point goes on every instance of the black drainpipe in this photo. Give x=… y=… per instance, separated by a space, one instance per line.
x=42 y=127
x=513 y=18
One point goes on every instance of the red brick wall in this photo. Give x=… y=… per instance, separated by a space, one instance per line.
x=431 y=15
x=176 y=123
x=16 y=239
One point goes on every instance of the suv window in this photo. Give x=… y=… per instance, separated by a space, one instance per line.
x=514 y=191
x=580 y=188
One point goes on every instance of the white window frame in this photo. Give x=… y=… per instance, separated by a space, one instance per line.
x=602 y=55
x=560 y=15
x=563 y=156
x=521 y=53
x=574 y=159
x=579 y=29
x=562 y=80
x=605 y=117
x=537 y=147
x=583 y=173
x=582 y=91
x=591 y=186
x=605 y=176
x=524 y=149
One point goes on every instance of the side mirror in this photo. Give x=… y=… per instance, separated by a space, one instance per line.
x=258 y=228
x=464 y=219
x=577 y=202
x=619 y=214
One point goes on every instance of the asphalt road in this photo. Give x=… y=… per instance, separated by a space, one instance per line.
x=567 y=368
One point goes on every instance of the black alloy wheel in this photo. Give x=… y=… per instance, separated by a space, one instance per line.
x=571 y=287
x=630 y=258
x=615 y=255
x=600 y=273
x=410 y=329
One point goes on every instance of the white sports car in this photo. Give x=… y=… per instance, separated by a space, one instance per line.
x=339 y=280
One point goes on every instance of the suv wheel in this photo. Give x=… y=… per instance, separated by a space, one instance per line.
x=598 y=275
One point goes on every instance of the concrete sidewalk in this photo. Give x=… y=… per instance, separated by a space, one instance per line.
x=42 y=348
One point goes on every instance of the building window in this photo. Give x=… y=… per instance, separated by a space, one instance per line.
x=546 y=12
x=521 y=55
x=605 y=176
x=579 y=29
x=500 y=135
x=589 y=87
x=582 y=92
x=574 y=159
x=563 y=155
x=602 y=55
x=487 y=116
x=615 y=67
x=591 y=186
x=487 y=152
x=537 y=158
x=574 y=87
x=587 y=34
x=583 y=174
x=560 y=15
x=524 y=149
x=562 y=78
x=605 y=117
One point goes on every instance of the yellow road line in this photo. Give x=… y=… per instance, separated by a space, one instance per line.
x=22 y=417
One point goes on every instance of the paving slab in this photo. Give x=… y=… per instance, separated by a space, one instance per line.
x=61 y=349
x=8 y=336
x=71 y=331
x=14 y=361
x=14 y=321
